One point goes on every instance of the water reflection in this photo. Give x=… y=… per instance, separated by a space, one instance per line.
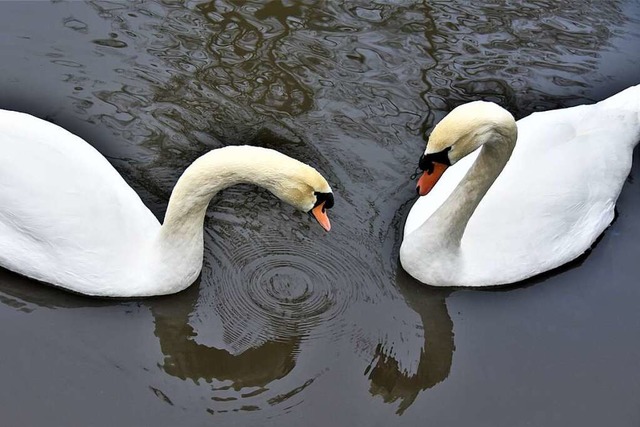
x=187 y=359
x=24 y=294
x=388 y=379
x=241 y=37
x=501 y=51
x=248 y=372
x=352 y=88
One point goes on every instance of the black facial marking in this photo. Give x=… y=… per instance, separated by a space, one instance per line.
x=327 y=198
x=427 y=160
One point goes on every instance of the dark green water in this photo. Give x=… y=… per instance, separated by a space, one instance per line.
x=288 y=325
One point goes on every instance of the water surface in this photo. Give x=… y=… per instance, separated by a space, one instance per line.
x=289 y=325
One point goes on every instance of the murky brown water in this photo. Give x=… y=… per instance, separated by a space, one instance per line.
x=290 y=326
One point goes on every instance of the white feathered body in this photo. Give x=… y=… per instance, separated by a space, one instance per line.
x=554 y=198
x=66 y=216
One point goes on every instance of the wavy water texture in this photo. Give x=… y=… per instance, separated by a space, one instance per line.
x=352 y=88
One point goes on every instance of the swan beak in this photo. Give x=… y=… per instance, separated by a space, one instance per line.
x=320 y=213
x=428 y=180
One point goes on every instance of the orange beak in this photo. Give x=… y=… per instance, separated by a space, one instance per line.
x=428 y=180
x=320 y=213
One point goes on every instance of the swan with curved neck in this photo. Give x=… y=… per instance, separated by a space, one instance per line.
x=69 y=219
x=506 y=211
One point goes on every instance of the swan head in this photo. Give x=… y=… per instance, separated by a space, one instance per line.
x=303 y=187
x=462 y=131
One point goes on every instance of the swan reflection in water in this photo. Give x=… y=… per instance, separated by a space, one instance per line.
x=388 y=379
x=273 y=360
x=184 y=358
x=254 y=368
x=187 y=359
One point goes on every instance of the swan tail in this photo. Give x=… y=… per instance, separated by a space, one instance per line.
x=625 y=106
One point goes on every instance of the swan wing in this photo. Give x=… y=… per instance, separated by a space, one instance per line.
x=555 y=196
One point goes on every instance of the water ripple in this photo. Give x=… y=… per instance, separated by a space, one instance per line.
x=268 y=289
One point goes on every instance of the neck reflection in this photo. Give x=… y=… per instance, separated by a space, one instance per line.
x=186 y=359
x=388 y=379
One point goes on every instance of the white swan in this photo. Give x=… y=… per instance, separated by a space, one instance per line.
x=550 y=199
x=69 y=219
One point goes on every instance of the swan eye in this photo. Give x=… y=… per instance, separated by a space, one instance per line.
x=425 y=164
x=324 y=197
x=427 y=161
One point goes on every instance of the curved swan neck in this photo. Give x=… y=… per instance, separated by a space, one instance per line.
x=451 y=219
x=208 y=175
x=175 y=255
